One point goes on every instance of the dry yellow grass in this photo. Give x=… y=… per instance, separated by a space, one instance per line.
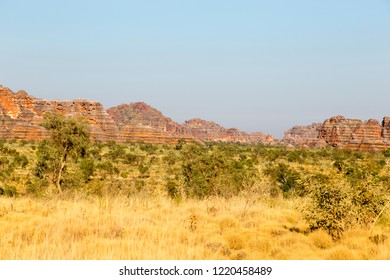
x=158 y=228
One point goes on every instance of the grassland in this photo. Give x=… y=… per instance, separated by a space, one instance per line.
x=141 y=207
x=158 y=228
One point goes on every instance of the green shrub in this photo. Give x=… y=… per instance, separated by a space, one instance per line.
x=173 y=189
x=116 y=152
x=149 y=148
x=132 y=159
x=338 y=205
x=368 y=199
x=208 y=172
x=37 y=187
x=288 y=179
x=143 y=170
x=21 y=160
x=107 y=168
x=331 y=209
x=8 y=191
x=87 y=168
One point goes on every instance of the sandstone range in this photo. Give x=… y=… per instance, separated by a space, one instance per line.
x=342 y=133
x=21 y=117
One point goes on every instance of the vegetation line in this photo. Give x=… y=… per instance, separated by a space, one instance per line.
x=74 y=198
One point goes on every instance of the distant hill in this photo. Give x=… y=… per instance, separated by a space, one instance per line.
x=142 y=115
x=22 y=115
x=342 y=133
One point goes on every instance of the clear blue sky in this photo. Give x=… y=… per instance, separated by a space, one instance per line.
x=258 y=65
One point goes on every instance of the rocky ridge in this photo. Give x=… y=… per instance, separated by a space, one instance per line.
x=211 y=131
x=304 y=136
x=22 y=115
x=343 y=133
x=141 y=115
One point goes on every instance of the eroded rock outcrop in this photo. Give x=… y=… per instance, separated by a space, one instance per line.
x=140 y=122
x=304 y=136
x=343 y=133
x=22 y=114
x=211 y=131
x=139 y=133
x=138 y=116
x=141 y=114
x=354 y=134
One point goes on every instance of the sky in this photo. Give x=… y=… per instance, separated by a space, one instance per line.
x=257 y=65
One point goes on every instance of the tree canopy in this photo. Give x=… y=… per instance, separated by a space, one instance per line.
x=69 y=137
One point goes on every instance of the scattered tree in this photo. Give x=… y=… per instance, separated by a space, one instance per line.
x=69 y=138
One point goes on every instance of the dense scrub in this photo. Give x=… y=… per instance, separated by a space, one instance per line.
x=341 y=189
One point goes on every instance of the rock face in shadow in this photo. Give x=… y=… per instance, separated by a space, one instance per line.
x=304 y=135
x=138 y=116
x=343 y=133
x=211 y=131
x=139 y=133
x=141 y=114
x=140 y=122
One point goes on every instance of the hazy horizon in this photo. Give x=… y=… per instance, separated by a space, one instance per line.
x=253 y=65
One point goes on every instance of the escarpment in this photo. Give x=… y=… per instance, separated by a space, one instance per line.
x=140 y=122
x=354 y=134
x=304 y=135
x=211 y=131
x=22 y=115
x=343 y=133
x=138 y=116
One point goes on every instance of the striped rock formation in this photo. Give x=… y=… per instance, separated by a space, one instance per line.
x=355 y=134
x=138 y=116
x=22 y=114
x=211 y=131
x=142 y=123
x=140 y=133
x=304 y=135
x=343 y=133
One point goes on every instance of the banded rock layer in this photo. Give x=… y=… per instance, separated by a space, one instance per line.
x=343 y=133
x=141 y=115
x=304 y=135
x=22 y=115
x=211 y=131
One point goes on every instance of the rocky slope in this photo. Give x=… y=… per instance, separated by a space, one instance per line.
x=21 y=117
x=141 y=122
x=22 y=114
x=343 y=133
x=143 y=116
x=355 y=134
x=211 y=131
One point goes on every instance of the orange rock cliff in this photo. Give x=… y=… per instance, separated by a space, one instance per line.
x=343 y=133
x=22 y=116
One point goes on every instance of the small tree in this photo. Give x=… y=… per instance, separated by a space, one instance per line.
x=331 y=208
x=69 y=137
